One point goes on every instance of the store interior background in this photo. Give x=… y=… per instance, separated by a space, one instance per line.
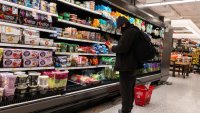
x=178 y=64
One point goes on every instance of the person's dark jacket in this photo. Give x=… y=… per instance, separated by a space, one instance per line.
x=125 y=60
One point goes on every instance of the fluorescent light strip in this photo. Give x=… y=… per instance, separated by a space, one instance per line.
x=166 y=3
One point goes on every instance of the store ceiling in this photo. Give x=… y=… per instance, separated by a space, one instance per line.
x=175 y=10
x=188 y=10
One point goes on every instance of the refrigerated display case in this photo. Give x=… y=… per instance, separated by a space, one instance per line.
x=63 y=53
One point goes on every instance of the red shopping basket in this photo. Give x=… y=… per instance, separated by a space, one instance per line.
x=143 y=95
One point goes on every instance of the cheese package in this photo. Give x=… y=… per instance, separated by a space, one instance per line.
x=45 y=54
x=46 y=62
x=30 y=62
x=10 y=30
x=31 y=40
x=12 y=53
x=46 y=42
x=31 y=33
x=30 y=54
x=13 y=39
x=12 y=63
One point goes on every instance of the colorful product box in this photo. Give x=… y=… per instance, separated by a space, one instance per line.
x=12 y=63
x=45 y=54
x=31 y=33
x=30 y=54
x=13 y=39
x=8 y=13
x=10 y=30
x=30 y=62
x=31 y=40
x=45 y=62
x=46 y=42
x=12 y=54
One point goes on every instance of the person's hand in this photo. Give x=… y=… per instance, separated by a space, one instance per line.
x=110 y=46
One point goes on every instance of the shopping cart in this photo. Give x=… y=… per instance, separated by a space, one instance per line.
x=143 y=95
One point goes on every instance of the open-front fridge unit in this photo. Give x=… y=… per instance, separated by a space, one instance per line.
x=53 y=54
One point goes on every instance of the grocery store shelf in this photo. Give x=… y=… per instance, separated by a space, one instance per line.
x=25 y=69
x=86 y=67
x=104 y=66
x=80 y=40
x=107 y=55
x=26 y=46
x=27 y=27
x=79 y=7
x=74 y=68
x=27 y=8
x=77 y=24
x=67 y=53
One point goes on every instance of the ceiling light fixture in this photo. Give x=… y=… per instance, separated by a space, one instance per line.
x=166 y=3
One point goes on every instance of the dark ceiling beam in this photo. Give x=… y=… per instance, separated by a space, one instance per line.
x=130 y=8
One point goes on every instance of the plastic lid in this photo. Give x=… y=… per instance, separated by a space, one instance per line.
x=19 y=72
x=44 y=76
x=34 y=74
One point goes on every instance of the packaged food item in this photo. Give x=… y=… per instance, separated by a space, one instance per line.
x=33 y=82
x=30 y=62
x=83 y=80
x=30 y=54
x=10 y=30
x=64 y=47
x=58 y=47
x=28 y=18
x=12 y=53
x=36 y=4
x=8 y=83
x=13 y=39
x=43 y=5
x=8 y=13
x=21 y=81
x=46 y=42
x=43 y=84
x=43 y=80
x=61 y=61
x=52 y=7
x=45 y=62
x=57 y=79
x=12 y=63
x=45 y=54
x=1 y=54
x=31 y=40
x=33 y=78
x=31 y=33
x=73 y=16
x=44 y=21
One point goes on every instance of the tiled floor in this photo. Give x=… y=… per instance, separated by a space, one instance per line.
x=181 y=97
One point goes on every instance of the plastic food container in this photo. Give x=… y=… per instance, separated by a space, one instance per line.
x=43 y=80
x=58 y=79
x=33 y=79
x=21 y=81
x=43 y=89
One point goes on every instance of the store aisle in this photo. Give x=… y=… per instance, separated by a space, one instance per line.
x=181 y=97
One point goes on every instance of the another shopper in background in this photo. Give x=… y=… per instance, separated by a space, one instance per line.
x=126 y=64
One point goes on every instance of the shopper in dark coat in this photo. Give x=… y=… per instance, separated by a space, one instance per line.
x=126 y=63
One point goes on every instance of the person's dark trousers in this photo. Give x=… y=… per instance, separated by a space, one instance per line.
x=127 y=84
